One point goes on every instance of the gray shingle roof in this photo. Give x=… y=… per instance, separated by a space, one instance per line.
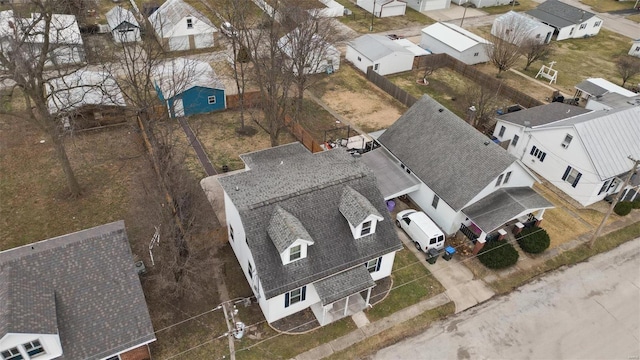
x=356 y=207
x=375 y=47
x=310 y=187
x=284 y=229
x=392 y=180
x=168 y=16
x=502 y=205
x=451 y=157
x=591 y=88
x=343 y=284
x=98 y=308
x=559 y=14
x=543 y=114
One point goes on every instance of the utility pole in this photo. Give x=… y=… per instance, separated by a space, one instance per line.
x=373 y=14
x=466 y=3
x=615 y=201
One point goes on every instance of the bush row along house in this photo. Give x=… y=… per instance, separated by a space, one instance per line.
x=76 y=296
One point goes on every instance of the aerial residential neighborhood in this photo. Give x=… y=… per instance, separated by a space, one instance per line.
x=311 y=179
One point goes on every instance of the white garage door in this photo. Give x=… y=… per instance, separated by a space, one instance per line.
x=179 y=43
x=203 y=40
x=178 y=107
x=434 y=4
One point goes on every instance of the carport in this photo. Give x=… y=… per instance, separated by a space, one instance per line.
x=393 y=180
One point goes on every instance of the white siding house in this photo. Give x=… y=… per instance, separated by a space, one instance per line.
x=455 y=41
x=384 y=8
x=584 y=153
x=635 y=48
x=179 y=26
x=383 y=54
x=428 y=5
x=568 y=21
x=319 y=56
x=527 y=28
x=455 y=174
x=310 y=231
x=123 y=25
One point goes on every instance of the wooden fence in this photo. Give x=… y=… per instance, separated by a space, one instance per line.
x=251 y=99
x=302 y=135
x=436 y=61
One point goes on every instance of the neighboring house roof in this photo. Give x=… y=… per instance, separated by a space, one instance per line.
x=520 y=21
x=454 y=36
x=495 y=209
x=615 y=100
x=608 y=137
x=451 y=157
x=310 y=187
x=600 y=86
x=64 y=28
x=415 y=49
x=375 y=47
x=83 y=87
x=543 y=114
x=82 y=286
x=166 y=19
x=559 y=14
x=178 y=75
x=118 y=15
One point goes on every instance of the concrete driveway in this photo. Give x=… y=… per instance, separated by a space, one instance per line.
x=588 y=311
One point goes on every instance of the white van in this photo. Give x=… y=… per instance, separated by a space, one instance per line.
x=421 y=229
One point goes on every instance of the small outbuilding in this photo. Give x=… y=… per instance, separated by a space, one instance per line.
x=457 y=42
x=568 y=21
x=384 y=8
x=385 y=55
x=428 y=5
x=179 y=26
x=188 y=87
x=123 y=25
x=635 y=48
x=526 y=28
x=482 y=3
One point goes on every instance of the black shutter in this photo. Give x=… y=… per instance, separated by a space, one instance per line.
x=379 y=262
x=286 y=300
x=533 y=149
x=575 y=182
x=544 y=154
x=566 y=173
x=303 y=293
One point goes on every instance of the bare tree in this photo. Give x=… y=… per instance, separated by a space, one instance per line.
x=272 y=73
x=535 y=50
x=507 y=37
x=484 y=102
x=35 y=51
x=628 y=67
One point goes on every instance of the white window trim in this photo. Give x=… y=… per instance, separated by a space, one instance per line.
x=209 y=98
x=298 y=253
x=373 y=264
x=366 y=230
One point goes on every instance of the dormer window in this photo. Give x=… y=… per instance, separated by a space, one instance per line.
x=12 y=354
x=295 y=253
x=34 y=348
x=189 y=23
x=366 y=228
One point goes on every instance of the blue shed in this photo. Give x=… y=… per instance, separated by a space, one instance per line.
x=188 y=87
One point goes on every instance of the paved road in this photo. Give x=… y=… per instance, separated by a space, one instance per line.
x=588 y=311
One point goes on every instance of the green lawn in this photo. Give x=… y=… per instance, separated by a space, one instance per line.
x=360 y=20
x=635 y=18
x=524 y=6
x=412 y=283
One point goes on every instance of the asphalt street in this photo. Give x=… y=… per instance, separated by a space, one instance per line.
x=588 y=311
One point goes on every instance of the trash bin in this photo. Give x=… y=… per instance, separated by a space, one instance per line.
x=432 y=256
x=448 y=253
x=391 y=205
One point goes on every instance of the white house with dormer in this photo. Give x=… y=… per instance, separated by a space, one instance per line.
x=310 y=231
x=584 y=153
x=179 y=26
x=460 y=178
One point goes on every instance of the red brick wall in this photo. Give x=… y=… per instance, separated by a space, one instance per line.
x=140 y=353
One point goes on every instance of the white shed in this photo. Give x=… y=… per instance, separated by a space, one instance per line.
x=525 y=26
x=179 y=26
x=384 y=8
x=123 y=25
x=428 y=5
x=385 y=55
x=455 y=41
x=635 y=48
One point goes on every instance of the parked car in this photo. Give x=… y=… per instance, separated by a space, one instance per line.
x=228 y=29
x=424 y=233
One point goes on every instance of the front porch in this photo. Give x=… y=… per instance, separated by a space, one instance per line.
x=341 y=308
x=504 y=211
